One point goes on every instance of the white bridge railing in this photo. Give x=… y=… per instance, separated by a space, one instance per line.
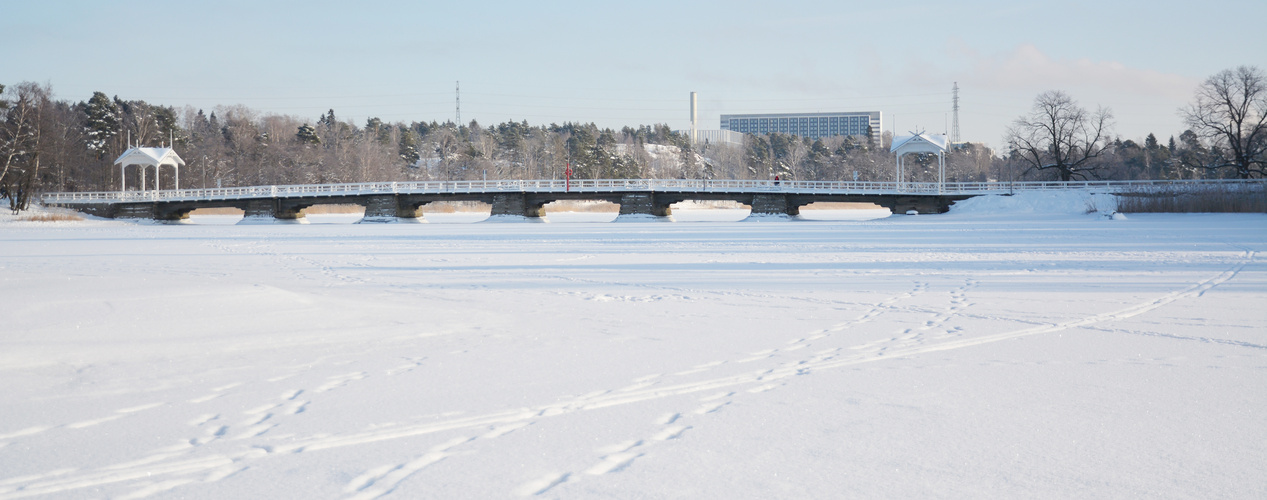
x=640 y=185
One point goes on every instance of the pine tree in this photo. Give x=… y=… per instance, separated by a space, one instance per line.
x=307 y=135
x=103 y=123
x=168 y=126
x=409 y=144
x=327 y=120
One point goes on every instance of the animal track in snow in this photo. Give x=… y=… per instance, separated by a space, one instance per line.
x=338 y=381
x=407 y=367
x=700 y=368
x=502 y=430
x=612 y=463
x=212 y=435
x=255 y=430
x=204 y=399
x=619 y=447
x=26 y=432
x=68 y=482
x=96 y=421
x=758 y=357
x=383 y=480
x=668 y=418
x=710 y=408
x=135 y=409
x=542 y=485
x=296 y=407
x=668 y=433
x=634 y=387
x=261 y=409
x=202 y=419
x=215 y=393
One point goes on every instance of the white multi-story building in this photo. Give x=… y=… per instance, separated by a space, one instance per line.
x=812 y=125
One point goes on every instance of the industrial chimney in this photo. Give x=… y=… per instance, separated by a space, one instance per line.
x=694 y=118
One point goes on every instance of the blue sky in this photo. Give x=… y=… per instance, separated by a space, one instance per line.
x=632 y=63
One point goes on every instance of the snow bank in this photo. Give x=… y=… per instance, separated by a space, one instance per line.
x=1038 y=202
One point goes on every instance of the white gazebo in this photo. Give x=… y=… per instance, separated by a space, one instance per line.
x=145 y=157
x=920 y=143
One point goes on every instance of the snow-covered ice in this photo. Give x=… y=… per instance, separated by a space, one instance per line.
x=1010 y=348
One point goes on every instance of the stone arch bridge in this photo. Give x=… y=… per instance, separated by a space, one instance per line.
x=525 y=199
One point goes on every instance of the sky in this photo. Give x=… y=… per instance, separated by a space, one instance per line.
x=635 y=63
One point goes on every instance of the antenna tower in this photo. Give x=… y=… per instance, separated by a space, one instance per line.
x=458 y=93
x=954 y=128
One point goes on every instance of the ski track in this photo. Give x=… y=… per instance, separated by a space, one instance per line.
x=172 y=467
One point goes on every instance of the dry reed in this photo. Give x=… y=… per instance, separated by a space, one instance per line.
x=52 y=217
x=1230 y=199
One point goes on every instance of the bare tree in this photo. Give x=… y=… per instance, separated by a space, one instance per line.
x=1229 y=113
x=1061 y=136
x=20 y=142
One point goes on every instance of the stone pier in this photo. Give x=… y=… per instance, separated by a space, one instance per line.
x=270 y=211
x=643 y=207
x=133 y=211
x=508 y=207
x=772 y=206
x=390 y=208
x=920 y=204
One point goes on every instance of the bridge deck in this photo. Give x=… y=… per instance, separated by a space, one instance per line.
x=636 y=196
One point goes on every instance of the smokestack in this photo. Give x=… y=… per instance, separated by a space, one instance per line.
x=694 y=118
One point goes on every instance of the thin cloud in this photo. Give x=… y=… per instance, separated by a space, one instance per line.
x=1028 y=68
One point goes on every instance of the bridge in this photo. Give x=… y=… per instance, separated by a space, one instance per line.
x=526 y=199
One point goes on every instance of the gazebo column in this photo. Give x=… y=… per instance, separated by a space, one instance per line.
x=897 y=177
x=941 y=171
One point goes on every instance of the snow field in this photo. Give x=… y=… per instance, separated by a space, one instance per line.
x=970 y=354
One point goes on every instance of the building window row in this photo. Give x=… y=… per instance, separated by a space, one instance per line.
x=813 y=127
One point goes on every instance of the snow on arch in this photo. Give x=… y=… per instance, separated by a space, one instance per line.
x=919 y=143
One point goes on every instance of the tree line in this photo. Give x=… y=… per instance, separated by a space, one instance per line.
x=48 y=144
x=1226 y=138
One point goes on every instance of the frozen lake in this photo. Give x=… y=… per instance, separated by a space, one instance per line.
x=959 y=355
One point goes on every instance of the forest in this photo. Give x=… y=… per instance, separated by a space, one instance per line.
x=52 y=145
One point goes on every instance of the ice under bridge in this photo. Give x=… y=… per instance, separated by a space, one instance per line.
x=638 y=198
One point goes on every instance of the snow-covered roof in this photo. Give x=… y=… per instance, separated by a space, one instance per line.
x=919 y=143
x=149 y=156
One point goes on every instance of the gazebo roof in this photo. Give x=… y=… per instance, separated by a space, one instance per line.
x=919 y=143
x=149 y=156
